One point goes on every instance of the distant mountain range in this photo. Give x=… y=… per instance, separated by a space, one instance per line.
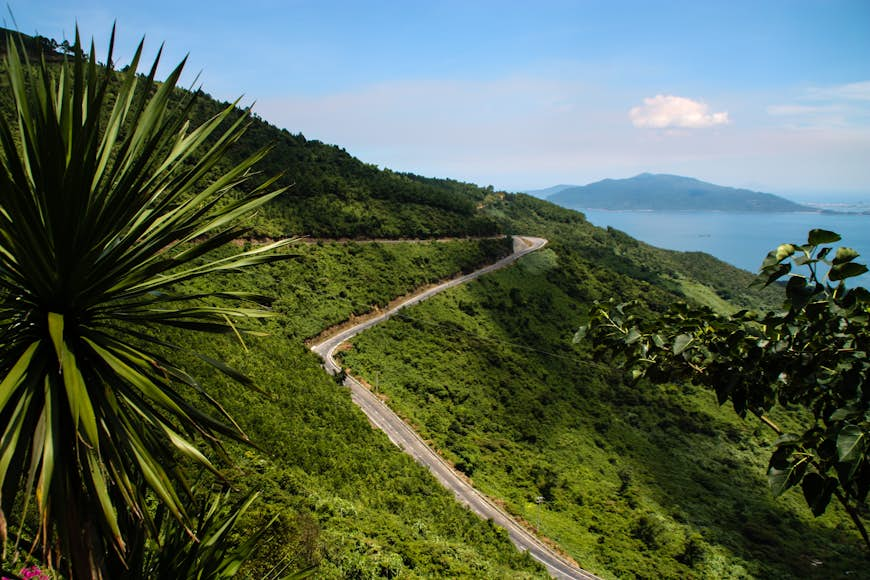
x=649 y=191
x=545 y=193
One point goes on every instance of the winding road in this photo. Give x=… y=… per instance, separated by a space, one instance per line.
x=408 y=441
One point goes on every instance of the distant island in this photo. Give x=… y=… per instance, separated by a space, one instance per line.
x=649 y=191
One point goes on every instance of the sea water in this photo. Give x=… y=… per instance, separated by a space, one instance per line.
x=741 y=239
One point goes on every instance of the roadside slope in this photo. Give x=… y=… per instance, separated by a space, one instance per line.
x=636 y=480
x=406 y=439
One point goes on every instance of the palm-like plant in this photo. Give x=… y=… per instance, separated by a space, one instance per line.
x=103 y=215
x=206 y=557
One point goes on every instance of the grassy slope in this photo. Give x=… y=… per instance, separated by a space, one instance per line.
x=348 y=500
x=638 y=480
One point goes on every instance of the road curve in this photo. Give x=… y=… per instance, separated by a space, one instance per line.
x=408 y=441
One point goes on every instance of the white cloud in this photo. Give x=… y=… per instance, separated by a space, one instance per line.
x=664 y=111
x=846 y=106
x=859 y=91
x=791 y=110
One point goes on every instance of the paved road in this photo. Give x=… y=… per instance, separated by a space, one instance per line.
x=407 y=439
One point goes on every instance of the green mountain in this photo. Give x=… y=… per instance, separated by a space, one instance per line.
x=636 y=480
x=649 y=191
x=335 y=195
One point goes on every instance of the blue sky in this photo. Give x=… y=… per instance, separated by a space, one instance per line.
x=771 y=95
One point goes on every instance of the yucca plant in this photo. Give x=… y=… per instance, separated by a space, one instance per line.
x=104 y=215
x=212 y=555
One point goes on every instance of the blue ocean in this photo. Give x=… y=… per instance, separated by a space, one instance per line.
x=741 y=239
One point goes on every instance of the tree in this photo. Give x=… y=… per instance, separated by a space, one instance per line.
x=109 y=203
x=813 y=355
x=46 y=45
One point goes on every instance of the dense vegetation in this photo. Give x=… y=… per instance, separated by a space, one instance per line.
x=109 y=222
x=103 y=216
x=812 y=354
x=335 y=195
x=637 y=479
x=347 y=499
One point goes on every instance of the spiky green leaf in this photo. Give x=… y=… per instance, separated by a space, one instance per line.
x=111 y=200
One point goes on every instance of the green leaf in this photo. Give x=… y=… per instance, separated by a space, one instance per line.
x=776 y=256
x=11 y=434
x=48 y=450
x=55 y=330
x=846 y=270
x=844 y=413
x=95 y=468
x=845 y=255
x=819 y=236
x=187 y=448
x=851 y=442
x=799 y=292
x=227 y=370
x=771 y=274
x=17 y=374
x=79 y=399
x=77 y=393
x=681 y=343
x=783 y=473
x=817 y=492
x=157 y=477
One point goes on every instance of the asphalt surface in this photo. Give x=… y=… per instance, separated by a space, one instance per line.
x=408 y=441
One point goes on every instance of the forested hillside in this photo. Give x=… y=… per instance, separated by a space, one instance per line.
x=348 y=500
x=634 y=480
x=335 y=195
x=332 y=194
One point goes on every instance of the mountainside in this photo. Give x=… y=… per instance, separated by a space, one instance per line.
x=35 y=46
x=634 y=480
x=336 y=195
x=332 y=194
x=669 y=192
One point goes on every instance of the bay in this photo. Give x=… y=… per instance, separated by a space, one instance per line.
x=741 y=239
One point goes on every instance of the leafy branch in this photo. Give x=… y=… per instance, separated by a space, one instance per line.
x=812 y=354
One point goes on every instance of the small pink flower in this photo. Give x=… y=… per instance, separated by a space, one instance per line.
x=33 y=573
